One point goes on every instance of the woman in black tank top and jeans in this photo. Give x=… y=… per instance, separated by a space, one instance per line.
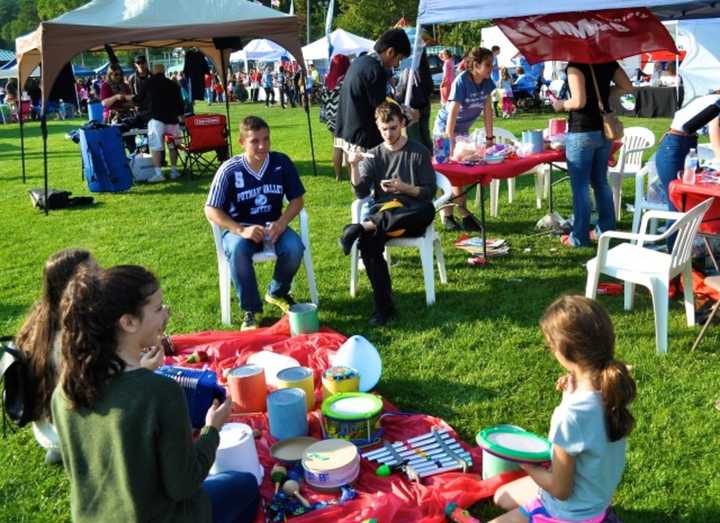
x=586 y=149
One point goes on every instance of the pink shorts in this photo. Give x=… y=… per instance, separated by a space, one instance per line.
x=536 y=513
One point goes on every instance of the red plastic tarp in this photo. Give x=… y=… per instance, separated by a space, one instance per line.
x=391 y=499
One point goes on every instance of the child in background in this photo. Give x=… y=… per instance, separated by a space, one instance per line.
x=39 y=340
x=507 y=95
x=589 y=428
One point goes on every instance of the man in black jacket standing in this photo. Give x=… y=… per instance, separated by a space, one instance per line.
x=365 y=88
x=164 y=100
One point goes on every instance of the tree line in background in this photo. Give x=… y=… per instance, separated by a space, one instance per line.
x=368 y=18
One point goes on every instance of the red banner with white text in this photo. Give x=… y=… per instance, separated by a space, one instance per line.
x=590 y=37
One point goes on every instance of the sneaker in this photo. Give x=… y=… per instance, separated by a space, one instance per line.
x=156 y=178
x=174 y=174
x=471 y=223
x=450 y=224
x=282 y=302
x=350 y=233
x=249 y=321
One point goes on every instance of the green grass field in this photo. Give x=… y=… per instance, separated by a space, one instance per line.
x=476 y=358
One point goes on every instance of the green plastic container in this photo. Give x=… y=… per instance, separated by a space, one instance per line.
x=494 y=465
x=303 y=318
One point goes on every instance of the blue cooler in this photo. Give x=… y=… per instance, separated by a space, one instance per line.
x=95 y=112
x=200 y=387
x=105 y=166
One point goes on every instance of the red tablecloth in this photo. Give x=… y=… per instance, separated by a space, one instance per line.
x=460 y=174
x=685 y=197
x=391 y=499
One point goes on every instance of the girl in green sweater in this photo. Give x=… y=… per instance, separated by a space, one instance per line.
x=125 y=434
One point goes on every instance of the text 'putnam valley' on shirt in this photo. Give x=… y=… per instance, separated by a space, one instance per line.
x=255 y=197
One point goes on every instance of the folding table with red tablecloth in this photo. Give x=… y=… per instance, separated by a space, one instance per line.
x=461 y=174
x=392 y=499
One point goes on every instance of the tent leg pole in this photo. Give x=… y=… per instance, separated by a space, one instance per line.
x=312 y=145
x=22 y=140
x=227 y=103
x=43 y=128
x=415 y=62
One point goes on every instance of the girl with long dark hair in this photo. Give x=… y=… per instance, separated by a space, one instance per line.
x=125 y=431
x=589 y=428
x=39 y=340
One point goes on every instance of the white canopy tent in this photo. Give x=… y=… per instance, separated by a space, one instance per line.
x=343 y=42
x=261 y=50
x=699 y=70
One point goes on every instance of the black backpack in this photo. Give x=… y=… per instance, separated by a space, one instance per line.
x=18 y=394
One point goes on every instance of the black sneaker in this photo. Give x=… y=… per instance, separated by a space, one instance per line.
x=350 y=233
x=281 y=302
x=379 y=319
x=249 y=321
x=471 y=223
x=450 y=224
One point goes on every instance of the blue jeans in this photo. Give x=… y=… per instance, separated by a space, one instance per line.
x=239 y=251
x=587 y=157
x=669 y=159
x=234 y=497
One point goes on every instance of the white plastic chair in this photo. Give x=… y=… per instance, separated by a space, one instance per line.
x=224 y=267
x=635 y=264
x=644 y=200
x=636 y=140
x=505 y=136
x=428 y=244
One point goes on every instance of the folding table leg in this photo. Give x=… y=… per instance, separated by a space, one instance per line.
x=706 y=325
x=482 y=219
x=550 y=184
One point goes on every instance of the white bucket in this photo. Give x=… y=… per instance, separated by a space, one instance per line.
x=237 y=451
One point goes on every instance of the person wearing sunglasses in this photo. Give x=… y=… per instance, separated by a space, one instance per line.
x=114 y=95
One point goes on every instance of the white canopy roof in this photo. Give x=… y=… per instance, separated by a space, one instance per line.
x=445 y=11
x=165 y=13
x=343 y=43
x=132 y=24
x=261 y=50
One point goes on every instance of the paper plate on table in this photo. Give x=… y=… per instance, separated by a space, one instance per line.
x=359 y=354
x=514 y=444
x=291 y=450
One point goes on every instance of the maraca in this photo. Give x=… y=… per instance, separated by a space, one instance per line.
x=278 y=475
x=292 y=488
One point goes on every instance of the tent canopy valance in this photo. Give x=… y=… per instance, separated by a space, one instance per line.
x=450 y=11
x=150 y=23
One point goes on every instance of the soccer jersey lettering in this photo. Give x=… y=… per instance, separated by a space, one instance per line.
x=251 y=194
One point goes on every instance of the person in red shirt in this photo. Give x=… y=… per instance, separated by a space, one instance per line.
x=208 y=88
x=113 y=95
x=218 y=89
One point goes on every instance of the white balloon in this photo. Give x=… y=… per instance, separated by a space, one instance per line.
x=359 y=354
